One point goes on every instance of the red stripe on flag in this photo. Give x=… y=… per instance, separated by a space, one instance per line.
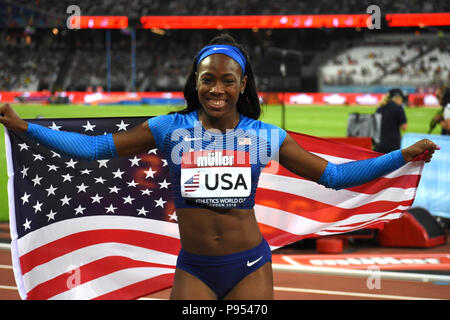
x=79 y=240
x=319 y=211
x=404 y=181
x=334 y=148
x=274 y=236
x=140 y=289
x=86 y=273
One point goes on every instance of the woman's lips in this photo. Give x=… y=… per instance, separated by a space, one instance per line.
x=217 y=103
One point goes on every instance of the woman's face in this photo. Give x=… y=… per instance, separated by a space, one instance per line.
x=219 y=84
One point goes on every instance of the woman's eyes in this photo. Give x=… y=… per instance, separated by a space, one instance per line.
x=226 y=81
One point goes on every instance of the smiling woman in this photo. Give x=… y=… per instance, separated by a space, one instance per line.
x=216 y=149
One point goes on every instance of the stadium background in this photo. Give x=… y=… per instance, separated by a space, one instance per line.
x=118 y=64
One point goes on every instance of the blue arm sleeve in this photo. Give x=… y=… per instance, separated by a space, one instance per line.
x=74 y=144
x=355 y=173
x=159 y=126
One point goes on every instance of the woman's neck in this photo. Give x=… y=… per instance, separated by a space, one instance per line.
x=229 y=121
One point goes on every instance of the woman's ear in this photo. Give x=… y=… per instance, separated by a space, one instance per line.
x=243 y=83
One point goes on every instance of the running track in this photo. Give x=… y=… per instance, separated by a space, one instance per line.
x=294 y=286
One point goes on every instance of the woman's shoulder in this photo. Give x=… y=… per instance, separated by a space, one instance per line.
x=251 y=123
x=263 y=129
x=173 y=117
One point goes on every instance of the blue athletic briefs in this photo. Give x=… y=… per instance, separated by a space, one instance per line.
x=209 y=168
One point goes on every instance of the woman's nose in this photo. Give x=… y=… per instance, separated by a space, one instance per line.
x=217 y=88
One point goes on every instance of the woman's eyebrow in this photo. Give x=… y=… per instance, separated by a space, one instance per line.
x=222 y=75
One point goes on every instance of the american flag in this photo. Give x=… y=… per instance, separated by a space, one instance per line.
x=108 y=229
x=192 y=184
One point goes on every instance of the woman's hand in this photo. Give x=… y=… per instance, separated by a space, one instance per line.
x=11 y=120
x=421 y=150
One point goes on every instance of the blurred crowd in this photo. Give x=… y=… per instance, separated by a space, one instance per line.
x=409 y=64
x=34 y=58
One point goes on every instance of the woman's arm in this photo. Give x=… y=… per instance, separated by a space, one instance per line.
x=299 y=161
x=134 y=141
x=296 y=159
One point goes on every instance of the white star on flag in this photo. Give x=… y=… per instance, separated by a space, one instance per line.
x=65 y=200
x=27 y=224
x=51 y=215
x=122 y=126
x=132 y=183
x=82 y=188
x=146 y=192
x=99 y=180
x=118 y=174
x=114 y=189
x=111 y=208
x=173 y=216
x=67 y=177
x=38 y=157
x=79 y=209
x=71 y=163
x=25 y=198
x=55 y=155
x=24 y=171
x=164 y=184
x=37 y=206
x=160 y=202
x=52 y=167
x=149 y=173
x=88 y=126
x=128 y=199
x=51 y=190
x=96 y=198
x=86 y=171
x=102 y=163
x=55 y=127
x=37 y=180
x=135 y=161
x=142 y=211
x=23 y=146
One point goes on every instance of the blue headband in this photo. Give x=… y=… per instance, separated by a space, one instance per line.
x=230 y=51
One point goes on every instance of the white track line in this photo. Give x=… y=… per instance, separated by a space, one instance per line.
x=302 y=290
x=290 y=260
x=3 y=266
x=8 y=287
x=351 y=294
x=5 y=246
x=420 y=277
